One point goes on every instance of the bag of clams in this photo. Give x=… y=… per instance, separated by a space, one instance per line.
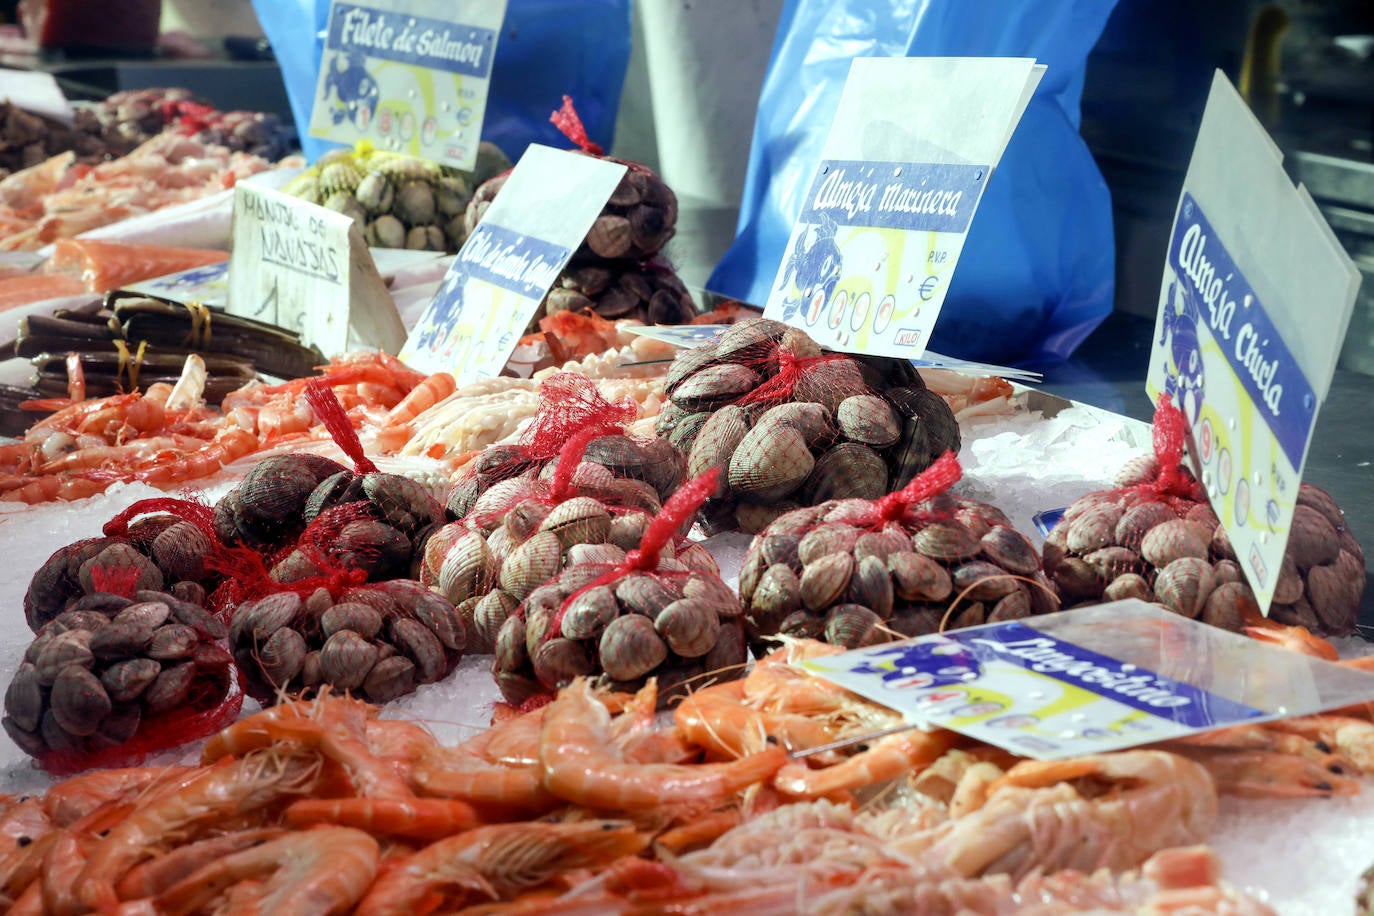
x=126 y=660
x=523 y=519
x=622 y=616
x=793 y=426
x=269 y=509
x=856 y=572
x=1156 y=537
x=332 y=606
x=616 y=272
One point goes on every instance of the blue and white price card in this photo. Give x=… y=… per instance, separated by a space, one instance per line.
x=509 y=262
x=1256 y=297
x=1090 y=680
x=408 y=75
x=910 y=152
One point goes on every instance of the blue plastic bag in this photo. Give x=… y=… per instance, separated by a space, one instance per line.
x=548 y=48
x=1037 y=270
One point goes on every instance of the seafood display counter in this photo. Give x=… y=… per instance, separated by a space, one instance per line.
x=309 y=635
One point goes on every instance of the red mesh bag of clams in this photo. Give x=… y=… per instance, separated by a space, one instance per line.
x=577 y=488
x=856 y=572
x=623 y=616
x=1156 y=538
x=123 y=664
x=793 y=426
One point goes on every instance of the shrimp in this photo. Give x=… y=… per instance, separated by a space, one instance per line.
x=1124 y=807
x=581 y=763
x=1294 y=638
x=717 y=719
x=79 y=796
x=887 y=758
x=151 y=878
x=67 y=487
x=1347 y=735
x=498 y=861
x=320 y=871
x=229 y=445
x=423 y=396
x=22 y=822
x=245 y=786
x=416 y=818
x=284 y=416
x=186 y=394
x=76 y=378
x=113 y=457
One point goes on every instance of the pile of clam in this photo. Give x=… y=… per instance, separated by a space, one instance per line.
x=827 y=572
x=616 y=272
x=674 y=623
x=650 y=292
x=1130 y=543
x=382 y=532
x=516 y=537
x=98 y=670
x=378 y=641
x=841 y=427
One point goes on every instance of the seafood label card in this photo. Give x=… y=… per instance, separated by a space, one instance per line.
x=509 y=262
x=1254 y=304
x=408 y=75
x=909 y=154
x=206 y=285
x=1032 y=693
x=307 y=269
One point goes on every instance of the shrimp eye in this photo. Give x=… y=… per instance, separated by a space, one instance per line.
x=1322 y=746
x=23 y=841
x=1323 y=786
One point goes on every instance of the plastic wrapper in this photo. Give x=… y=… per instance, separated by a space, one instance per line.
x=1038 y=263
x=1155 y=537
x=623 y=616
x=858 y=572
x=793 y=426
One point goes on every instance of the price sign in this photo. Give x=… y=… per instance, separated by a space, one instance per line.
x=509 y=262
x=304 y=268
x=1254 y=305
x=408 y=75
x=910 y=152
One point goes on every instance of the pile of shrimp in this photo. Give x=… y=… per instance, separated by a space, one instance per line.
x=591 y=804
x=61 y=198
x=167 y=437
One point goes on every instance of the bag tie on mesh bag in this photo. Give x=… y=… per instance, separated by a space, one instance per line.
x=679 y=509
x=330 y=412
x=792 y=368
x=1173 y=484
x=569 y=123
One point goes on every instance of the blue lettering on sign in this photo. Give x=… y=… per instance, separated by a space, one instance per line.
x=1218 y=296
x=512 y=261
x=925 y=197
x=433 y=43
x=1103 y=675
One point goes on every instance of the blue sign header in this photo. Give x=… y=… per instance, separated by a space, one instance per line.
x=1218 y=297
x=925 y=197
x=1018 y=644
x=433 y=43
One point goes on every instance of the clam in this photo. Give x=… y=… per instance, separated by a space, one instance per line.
x=345 y=660
x=853 y=626
x=531 y=564
x=467 y=568
x=588 y=613
x=389 y=679
x=869 y=419
x=351 y=615
x=824 y=581
x=846 y=470
x=1170 y=540
x=78 y=702
x=630 y=648
x=171 y=690
x=689 y=627
x=421 y=646
x=580 y=520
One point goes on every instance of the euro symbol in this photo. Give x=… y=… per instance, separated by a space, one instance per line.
x=927 y=289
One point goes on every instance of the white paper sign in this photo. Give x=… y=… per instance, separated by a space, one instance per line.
x=909 y=154
x=1256 y=298
x=509 y=262
x=408 y=75
x=304 y=268
x=36 y=92
x=207 y=285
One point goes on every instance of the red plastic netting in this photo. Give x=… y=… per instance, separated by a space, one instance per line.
x=209 y=708
x=570 y=124
x=334 y=418
x=677 y=513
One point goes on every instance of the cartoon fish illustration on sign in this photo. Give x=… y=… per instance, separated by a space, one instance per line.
x=814 y=267
x=354 y=87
